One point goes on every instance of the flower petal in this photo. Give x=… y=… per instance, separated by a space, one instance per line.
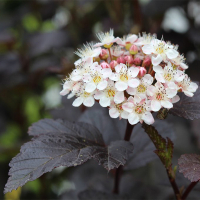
x=98 y=94
x=133 y=82
x=124 y=115
x=148 y=118
x=89 y=101
x=158 y=69
x=119 y=97
x=155 y=105
x=159 y=77
x=172 y=53
x=171 y=92
x=114 y=77
x=133 y=118
x=175 y=99
x=77 y=102
x=102 y=85
x=156 y=60
x=148 y=79
x=104 y=101
x=166 y=104
x=128 y=107
x=121 y=86
x=133 y=71
x=148 y=49
x=114 y=113
x=106 y=72
x=90 y=87
x=131 y=91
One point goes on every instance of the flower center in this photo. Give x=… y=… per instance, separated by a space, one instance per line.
x=86 y=94
x=161 y=48
x=111 y=93
x=119 y=107
x=97 y=79
x=123 y=77
x=159 y=96
x=141 y=88
x=168 y=77
x=139 y=109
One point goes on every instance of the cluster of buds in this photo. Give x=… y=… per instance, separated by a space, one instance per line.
x=133 y=76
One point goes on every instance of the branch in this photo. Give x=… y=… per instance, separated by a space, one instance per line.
x=189 y=189
x=164 y=150
x=119 y=170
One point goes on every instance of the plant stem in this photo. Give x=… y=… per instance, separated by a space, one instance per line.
x=119 y=170
x=188 y=190
x=173 y=183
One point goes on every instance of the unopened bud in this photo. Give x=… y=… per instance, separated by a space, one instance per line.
x=105 y=65
x=128 y=45
x=133 y=50
x=104 y=54
x=96 y=59
x=147 y=61
x=121 y=60
x=129 y=59
x=142 y=72
x=113 y=64
x=137 y=61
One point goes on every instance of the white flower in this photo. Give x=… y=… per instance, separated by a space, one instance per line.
x=168 y=74
x=179 y=62
x=125 y=77
x=159 y=97
x=141 y=90
x=106 y=39
x=145 y=39
x=187 y=86
x=116 y=111
x=85 y=98
x=116 y=51
x=127 y=41
x=161 y=50
x=87 y=51
x=70 y=86
x=139 y=110
x=96 y=78
x=109 y=94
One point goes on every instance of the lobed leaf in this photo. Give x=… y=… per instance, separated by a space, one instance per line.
x=56 y=147
x=189 y=165
x=187 y=107
x=114 y=129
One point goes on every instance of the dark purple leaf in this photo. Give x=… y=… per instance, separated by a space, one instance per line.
x=189 y=165
x=56 y=147
x=114 y=129
x=187 y=107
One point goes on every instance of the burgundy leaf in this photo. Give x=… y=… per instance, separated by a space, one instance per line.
x=189 y=165
x=187 y=107
x=58 y=147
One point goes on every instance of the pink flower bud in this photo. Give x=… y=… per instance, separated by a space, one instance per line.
x=104 y=54
x=121 y=60
x=128 y=45
x=105 y=65
x=137 y=61
x=129 y=59
x=133 y=50
x=113 y=63
x=147 y=61
x=142 y=72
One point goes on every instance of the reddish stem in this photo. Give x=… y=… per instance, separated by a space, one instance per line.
x=188 y=190
x=119 y=170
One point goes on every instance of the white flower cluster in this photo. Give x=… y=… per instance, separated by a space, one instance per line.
x=133 y=76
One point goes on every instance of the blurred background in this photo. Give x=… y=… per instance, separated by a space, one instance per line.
x=37 y=41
